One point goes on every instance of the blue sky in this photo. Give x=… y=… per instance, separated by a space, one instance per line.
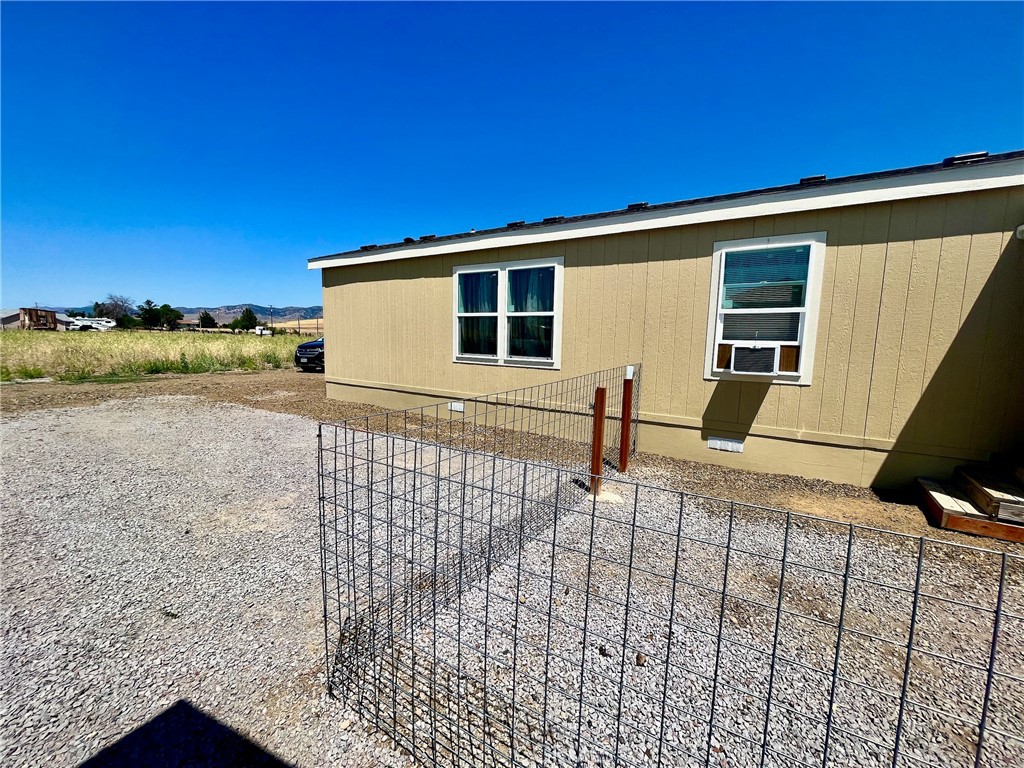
x=198 y=154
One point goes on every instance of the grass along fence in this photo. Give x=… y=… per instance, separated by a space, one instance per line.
x=128 y=354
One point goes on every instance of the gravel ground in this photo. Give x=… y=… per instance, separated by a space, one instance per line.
x=289 y=391
x=477 y=659
x=162 y=549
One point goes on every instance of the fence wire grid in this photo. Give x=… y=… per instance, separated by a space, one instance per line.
x=482 y=609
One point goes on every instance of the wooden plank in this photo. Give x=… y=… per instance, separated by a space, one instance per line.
x=990 y=528
x=635 y=300
x=941 y=507
x=991 y=493
x=724 y=355
x=656 y=356
x=789 y=359
x=810 y=397
x=687 y=369
x=918 y=317
x=866 y=319
x=947 y=499
x=889 y=334
x=942 y=366
x=983 y=254
x=1011 y=513
x=842 y=306
x=698 y=391
x=996 y=372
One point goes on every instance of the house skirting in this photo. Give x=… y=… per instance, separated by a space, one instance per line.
x=840 y=458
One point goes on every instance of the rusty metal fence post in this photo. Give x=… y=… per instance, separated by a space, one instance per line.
x=627 y=419
x=597 y=446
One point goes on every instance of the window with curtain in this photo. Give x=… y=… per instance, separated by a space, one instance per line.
x=478 y=313
x=762 y=306
x=508 y=313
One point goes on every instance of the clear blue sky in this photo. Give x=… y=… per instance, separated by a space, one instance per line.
x=198 y=154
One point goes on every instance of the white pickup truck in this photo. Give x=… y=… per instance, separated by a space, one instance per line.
x=259 y=330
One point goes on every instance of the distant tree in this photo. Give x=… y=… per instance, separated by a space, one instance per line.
x=245 y=321
x=206 y=320
x=75 y=313
x=149 y=314
x=170 y=317
x=116 y=308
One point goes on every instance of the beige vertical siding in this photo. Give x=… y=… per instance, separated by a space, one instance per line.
x=920 y=348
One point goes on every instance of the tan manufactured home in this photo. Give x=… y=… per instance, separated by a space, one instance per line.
x=865 y=329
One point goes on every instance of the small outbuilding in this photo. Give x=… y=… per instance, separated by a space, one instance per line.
x=865 y=329
x=10 y=319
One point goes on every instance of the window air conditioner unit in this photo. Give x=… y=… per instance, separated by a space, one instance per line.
x=762 y=361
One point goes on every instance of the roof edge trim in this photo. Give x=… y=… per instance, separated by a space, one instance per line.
x=942 y=181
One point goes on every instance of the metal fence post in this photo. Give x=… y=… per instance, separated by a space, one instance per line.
x=597 y=446
x=627 y=419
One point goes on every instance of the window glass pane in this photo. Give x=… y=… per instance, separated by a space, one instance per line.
x=478 y=335
x=478 y=292
x=758 y=326
x=531 y=290
x=530 y=336
x=768 y=277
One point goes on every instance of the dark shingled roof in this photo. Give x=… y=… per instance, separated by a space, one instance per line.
x=810 y=182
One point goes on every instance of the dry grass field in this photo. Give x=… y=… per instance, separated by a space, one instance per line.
x=130 y=354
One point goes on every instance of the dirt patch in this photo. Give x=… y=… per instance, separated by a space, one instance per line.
x=256 y=516
x=304 y=394
x=283 y=391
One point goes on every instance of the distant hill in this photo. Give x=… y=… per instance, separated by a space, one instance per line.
x=83 y=310
x=228 y=312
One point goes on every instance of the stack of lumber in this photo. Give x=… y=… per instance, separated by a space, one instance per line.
x=984 y=499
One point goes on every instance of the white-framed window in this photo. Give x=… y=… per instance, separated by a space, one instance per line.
x=763 y=314
x=508 y=313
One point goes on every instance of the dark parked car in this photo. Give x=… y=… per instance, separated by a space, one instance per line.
x=310 y=356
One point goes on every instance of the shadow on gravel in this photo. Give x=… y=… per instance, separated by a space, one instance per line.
x=182 y=735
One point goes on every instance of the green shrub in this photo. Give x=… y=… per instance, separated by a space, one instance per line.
x=29 y=372
x=271 y=358
x=75 y=374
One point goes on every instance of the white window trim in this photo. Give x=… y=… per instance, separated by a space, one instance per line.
x=809 y=326
x=502 y=358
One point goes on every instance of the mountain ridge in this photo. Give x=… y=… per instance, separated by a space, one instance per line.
x=225 y=313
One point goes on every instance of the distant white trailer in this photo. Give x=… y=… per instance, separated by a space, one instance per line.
x=92 y=324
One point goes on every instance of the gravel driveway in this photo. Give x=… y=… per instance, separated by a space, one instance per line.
x=163 y=549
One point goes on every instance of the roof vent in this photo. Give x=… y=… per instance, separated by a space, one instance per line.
x=812 y=179
x=367 y=247
x=553 y=219
x=636 y=206
x=427 y=237
x=409 y=240
x=970 y=157
x=514 y=224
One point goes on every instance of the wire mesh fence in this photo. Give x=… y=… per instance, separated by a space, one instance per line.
x=484 y=610
x=549 y=423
